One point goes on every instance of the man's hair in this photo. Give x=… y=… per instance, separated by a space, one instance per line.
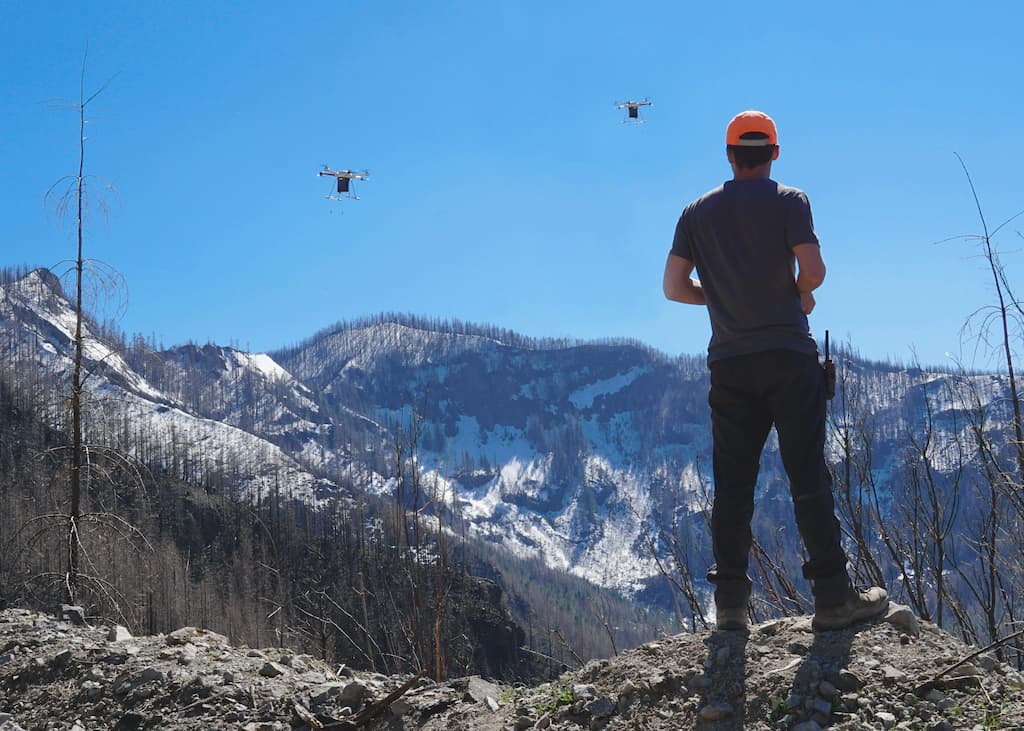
x=747 y=158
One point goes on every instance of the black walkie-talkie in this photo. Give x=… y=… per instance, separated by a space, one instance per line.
x=830 y=372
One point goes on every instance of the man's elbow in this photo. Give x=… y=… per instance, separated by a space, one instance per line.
x=818 y=276
x=811 y=277
x=678 y=291
x=687 y=295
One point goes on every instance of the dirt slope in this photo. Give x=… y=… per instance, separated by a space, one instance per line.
x=779 y=675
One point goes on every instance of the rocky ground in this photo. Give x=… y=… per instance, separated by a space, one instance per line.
x=889 y=674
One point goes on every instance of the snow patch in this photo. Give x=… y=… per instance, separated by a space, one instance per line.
x=583 y=398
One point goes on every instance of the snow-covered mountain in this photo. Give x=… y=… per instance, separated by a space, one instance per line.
x=579 y=453
x=127 y=409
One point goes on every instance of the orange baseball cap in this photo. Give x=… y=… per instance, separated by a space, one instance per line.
x=751 y=121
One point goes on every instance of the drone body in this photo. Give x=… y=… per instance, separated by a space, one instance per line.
x=344 y=178
x=633 y=110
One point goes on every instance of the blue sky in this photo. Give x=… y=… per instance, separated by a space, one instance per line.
x=504 y=188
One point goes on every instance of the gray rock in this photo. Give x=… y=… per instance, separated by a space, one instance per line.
x=272 y=670
x=988 y=663
x=352 y=694
x=118 y=633
x=886 y=719
x=188 y=654
x=584 y=691
x=940 y=725
x=401 y=707
x=209 y=682
x=311 y=677
x=325 y=693
x=827 y=690
x=149 y=674
x=73 y=614
x=303 y=663
x=62 y=658
x=197 y=636
x=479 y=690
x=966 y=670
x=903 y=618
x=92 y=689
x=600 y=707
x=349 y=694
x=893 y=675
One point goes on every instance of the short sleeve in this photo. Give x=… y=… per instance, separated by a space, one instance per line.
x=799 y=222
x=682 y=242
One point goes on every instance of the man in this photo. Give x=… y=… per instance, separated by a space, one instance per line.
x=753 y=244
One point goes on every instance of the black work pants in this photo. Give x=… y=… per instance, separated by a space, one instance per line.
x=749 y=394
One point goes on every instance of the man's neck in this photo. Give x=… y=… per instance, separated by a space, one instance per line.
x=761 y=171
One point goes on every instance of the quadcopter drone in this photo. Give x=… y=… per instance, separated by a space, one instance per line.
x=345 y=178
x=633 y=110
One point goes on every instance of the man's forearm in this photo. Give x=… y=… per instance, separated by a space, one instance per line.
x=677 y=284
x=810 y=266
x=689 y=292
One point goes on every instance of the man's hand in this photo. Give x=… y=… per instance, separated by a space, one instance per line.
x=807 y=302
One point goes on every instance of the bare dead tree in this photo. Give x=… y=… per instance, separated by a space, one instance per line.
x=997 y=328
x=935 y=499
x=89 y=466
x=75 y=193
x=1006 y=316
x=670 y=543
x=851 y=431
x=780 y=592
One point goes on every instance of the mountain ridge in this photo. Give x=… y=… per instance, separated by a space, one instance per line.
x=589 y=455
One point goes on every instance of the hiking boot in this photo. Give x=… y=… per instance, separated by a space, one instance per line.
x=860 y=604
x=731 y=619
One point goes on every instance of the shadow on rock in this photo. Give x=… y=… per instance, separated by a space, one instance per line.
x=816 y=696
x=723 y=689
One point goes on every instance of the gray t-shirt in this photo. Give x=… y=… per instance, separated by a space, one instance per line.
x=740 y=238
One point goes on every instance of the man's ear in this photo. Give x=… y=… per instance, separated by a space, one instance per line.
x=775 y=155
x=730 y=156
